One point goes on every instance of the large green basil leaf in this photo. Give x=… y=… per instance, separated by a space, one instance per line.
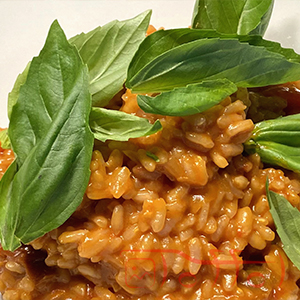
x=51 y=138
x=119 y=126
x=189 y=100
x=49 y=82
x=162 y=41
x=108 y=51
x=233 y=16
x=210 y=59
x=277 y=142
x=287 y=222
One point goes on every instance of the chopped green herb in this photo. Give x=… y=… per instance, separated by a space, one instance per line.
x=152 y=155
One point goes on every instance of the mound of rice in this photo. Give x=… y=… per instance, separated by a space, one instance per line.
x=181 y=214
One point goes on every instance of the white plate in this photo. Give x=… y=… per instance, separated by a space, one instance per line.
x=24 y=26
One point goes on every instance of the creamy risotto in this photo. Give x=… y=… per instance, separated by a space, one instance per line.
x=191 y=221
x=163 y=167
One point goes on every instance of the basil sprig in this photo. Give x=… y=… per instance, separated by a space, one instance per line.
x=287 y=222
x=51 y=137
x=277 y=142
x=233 y=16
x=171 y=60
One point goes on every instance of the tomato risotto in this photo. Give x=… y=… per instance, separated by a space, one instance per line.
x=180 y=214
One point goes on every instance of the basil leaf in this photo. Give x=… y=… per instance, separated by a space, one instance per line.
x=4 y=140
x=287 y=222
x=233 y=16
x=14 y=94
x=107 y=51
x=188 y=100
x=51 y=137
x=48 y=83
x=210 y=59
x=119 y=126
x=162 y=41
x=277 y=142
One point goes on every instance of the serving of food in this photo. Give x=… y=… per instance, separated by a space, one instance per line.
x=154 y=164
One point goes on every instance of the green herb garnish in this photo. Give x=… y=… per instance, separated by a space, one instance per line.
x=107 y=51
